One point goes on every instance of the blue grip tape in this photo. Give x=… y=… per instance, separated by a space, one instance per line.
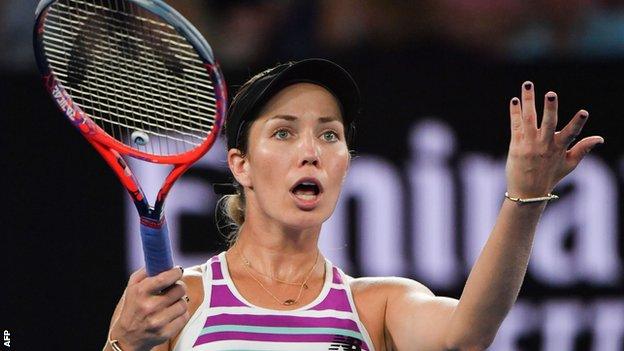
x=156 y=248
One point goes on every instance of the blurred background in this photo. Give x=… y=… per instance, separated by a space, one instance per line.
x=422 y=195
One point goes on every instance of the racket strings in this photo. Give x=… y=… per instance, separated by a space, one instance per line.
x=116 y=25
x=160 y=140
x=147 y=126
x=131 y=98
x=162 y=82
x=131 y=72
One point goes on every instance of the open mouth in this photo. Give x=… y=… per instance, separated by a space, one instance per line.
x=306 y=189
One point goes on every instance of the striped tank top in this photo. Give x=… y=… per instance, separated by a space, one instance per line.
x=225 y=321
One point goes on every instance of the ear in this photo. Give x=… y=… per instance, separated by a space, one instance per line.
x=239 y=166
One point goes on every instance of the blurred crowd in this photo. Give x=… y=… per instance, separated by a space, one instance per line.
x=244 y=32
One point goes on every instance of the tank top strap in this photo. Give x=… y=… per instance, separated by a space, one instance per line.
x=336 y=298
x=221 y=294
x=195 y=323
x=342 y=278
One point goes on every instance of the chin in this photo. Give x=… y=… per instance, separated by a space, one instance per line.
x=301 y=220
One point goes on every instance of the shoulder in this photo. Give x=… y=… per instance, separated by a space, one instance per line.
x=373 y=298
x=193 y=279
x=385 y=293
x=385 y=286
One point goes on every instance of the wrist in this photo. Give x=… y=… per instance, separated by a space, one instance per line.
x=113 y=342
x=120 y=344
x=114 y=345
x=531 y=199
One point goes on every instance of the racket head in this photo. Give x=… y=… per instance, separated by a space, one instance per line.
x=170 y=90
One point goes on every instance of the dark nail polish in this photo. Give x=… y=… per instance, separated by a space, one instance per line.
x=551 y=98
x=514 y=101
x=584 y=115
x=528 y=86
x=182 y=269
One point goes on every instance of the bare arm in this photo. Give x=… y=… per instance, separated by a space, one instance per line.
x=538 y=159
x=496 y=277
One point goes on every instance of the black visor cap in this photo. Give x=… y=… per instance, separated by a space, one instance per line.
x=325 y=73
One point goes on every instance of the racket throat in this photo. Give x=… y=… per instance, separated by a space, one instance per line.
x=155 y=223
x=152 y=217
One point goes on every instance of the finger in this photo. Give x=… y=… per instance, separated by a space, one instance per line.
x=154 y=305
x=549 y=121
x=581 y=149
x=529 y=115
x=571 y=131
x=158 y=283
x=173 y=293
x=176 y=325
x=515 y=114
x=180 y=284
x=160 y=320
x=137 y=276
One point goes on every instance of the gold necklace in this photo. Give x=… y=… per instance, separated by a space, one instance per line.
x=287 y=302
x=248 y=264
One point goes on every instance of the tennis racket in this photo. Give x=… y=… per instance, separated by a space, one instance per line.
x=138 y=80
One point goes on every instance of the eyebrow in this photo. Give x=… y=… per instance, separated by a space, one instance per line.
x=294 y=118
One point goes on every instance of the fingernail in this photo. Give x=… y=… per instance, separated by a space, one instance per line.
x=186 y=298
x=550 y=98
x=514 y=101
x=528 y=86
x=181 y=269
x=584 y=115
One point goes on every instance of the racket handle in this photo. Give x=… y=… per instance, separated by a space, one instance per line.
x=156 y=247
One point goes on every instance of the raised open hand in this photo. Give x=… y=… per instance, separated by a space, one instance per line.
x=539 y=157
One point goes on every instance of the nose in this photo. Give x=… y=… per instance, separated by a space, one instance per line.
x=310 y=151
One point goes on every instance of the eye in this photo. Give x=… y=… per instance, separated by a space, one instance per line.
x=330 y=136
x=281 y=134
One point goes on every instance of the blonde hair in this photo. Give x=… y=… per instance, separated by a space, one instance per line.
x=232 y=212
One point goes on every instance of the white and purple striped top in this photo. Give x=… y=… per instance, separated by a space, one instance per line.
x=226 y=321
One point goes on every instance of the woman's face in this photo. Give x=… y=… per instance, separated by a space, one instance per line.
x=297 y=158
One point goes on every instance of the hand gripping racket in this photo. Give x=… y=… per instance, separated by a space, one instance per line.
x=136 y=79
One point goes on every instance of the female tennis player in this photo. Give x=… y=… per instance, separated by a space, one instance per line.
x=288 y=132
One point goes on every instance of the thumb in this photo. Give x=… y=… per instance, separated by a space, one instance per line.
x=582 y=148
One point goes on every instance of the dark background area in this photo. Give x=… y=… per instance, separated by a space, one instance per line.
x=63 y=262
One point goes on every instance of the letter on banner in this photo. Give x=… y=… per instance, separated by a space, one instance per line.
x=589 y=212
x=376 y=186
x=433 y=204
x=563 y=321
x=608 y=325
x=521 y=320
x=483 y=180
